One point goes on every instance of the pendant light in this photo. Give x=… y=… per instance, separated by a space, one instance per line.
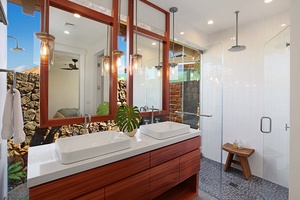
x=47 y=40
x=236 y=47
x=118 y=52
x=106 y=59
x=135 y=59
x=159 y=66
x=173 y=64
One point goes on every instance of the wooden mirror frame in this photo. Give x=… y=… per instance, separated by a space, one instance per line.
x=165 y=40
x=112 y=21
x=93 y=15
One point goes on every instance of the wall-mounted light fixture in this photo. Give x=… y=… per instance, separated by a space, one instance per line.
x=118 y=53
x=17 y=48
x=159 y=66
x=47 y=40
x=106 y=59
x=135 y=59
x=173 y=64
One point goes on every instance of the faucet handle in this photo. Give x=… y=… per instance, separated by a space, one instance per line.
x=157 y=120
x=146 y=121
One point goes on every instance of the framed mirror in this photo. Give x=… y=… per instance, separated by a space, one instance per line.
x=78 y=82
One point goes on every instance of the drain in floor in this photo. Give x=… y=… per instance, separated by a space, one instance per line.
x=233 y=184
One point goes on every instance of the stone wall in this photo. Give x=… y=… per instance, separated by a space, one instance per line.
x=175 y=101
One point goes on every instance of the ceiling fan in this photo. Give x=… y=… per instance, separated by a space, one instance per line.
x=72 y=66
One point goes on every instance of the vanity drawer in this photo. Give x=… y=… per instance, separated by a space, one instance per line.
x=170 y=152
x=164 y=177
x=91 y=180
x=189 y=164
x=134 y=188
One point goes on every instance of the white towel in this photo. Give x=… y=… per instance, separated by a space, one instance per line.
x=12 y=118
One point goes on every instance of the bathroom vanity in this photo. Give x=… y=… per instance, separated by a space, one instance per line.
x=150 y=169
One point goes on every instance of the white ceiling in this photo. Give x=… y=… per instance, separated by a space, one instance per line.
x=191 y=14
x=196 y=13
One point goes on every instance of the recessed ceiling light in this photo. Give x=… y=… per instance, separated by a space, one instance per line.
x=181 y=33
x=153 y=43
x=77 y=15
x=283 y=25
x=210 y=22
x=268 y=1
x=67 y=32
x=232 y=38
x=139 y=49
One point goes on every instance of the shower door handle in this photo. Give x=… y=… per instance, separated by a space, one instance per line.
x=270 y=125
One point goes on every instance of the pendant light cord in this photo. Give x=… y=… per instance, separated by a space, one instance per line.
x=44 y=17
x=173 y=34
x=107 y=35
x=173 y=10
x=119 y=17
x=136 y=26
x=236 y=25
x=158 y=54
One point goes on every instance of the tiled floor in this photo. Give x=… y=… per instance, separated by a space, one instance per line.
x=233 y=186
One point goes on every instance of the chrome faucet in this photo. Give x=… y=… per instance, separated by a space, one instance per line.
x=152 y=114
x=85 y=123
x=144 y=108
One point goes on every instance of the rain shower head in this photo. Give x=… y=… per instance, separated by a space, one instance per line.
x=17 y=48
x=237 y=47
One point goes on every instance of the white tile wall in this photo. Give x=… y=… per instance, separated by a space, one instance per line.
x=243 y=79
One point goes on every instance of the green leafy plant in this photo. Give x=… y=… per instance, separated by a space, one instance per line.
x=103 y=108
x=15 y=172
x=127 y=117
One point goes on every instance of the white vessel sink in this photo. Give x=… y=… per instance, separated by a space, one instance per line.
x=81 y=147
x=164 y=130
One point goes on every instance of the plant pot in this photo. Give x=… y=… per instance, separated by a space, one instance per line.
x=131 y=133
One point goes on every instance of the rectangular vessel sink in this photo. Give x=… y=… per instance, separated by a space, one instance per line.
x=81 y=147
x=164 y=130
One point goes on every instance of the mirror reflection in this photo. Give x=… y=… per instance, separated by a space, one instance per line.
x=147 y=82
x=80 y=45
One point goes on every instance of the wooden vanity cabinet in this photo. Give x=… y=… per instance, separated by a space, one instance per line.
x=170 y=172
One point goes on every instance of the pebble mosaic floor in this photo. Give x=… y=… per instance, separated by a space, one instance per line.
x=234 y=186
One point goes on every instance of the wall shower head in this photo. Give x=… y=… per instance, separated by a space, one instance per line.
x=237 y=47
x=17 y=48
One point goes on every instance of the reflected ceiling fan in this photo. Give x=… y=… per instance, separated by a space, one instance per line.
x=72 y=66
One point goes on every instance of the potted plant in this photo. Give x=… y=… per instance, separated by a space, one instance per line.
x=128 y=119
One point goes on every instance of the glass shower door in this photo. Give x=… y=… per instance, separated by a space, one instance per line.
x=211 y=110
x=276 y=120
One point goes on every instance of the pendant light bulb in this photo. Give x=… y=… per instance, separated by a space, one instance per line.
x=158 y=72
x=47 y=40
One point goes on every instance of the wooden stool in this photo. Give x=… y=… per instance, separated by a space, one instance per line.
x=242 y=154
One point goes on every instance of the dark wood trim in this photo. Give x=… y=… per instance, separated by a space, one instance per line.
x=130 y=44
x=112 y=21
x=83 y=11
x=93 y=15
x=154 y=6
x=150 y=34
x=166 y=68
